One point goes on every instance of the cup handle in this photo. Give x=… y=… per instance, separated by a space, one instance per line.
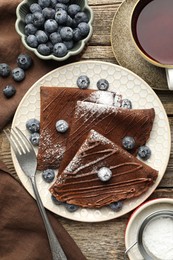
x=169 y=76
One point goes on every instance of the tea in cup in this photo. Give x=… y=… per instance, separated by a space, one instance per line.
x=152 y=33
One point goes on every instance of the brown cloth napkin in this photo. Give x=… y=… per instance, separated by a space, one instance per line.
x=10 y=47
x=22 y=232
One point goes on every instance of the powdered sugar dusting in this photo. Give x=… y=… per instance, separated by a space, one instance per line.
x=52 y=150
x=106 y=98
x=98 y=137
x=86 y=109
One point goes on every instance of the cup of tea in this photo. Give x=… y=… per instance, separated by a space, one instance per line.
x=152 y=33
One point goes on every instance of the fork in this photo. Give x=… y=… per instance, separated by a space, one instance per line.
x=27 y=160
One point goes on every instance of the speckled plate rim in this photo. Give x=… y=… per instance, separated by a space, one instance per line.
x=90 y=215
x=136 y=220
x=150 y=69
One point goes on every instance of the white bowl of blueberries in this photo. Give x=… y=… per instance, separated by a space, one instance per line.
x=54 y=29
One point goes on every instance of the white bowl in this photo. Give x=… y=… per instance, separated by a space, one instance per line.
x=23 y=9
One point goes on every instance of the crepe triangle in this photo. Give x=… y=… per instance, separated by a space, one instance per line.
x=79 y=184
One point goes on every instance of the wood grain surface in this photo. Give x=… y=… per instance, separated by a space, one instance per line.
x=105 y=240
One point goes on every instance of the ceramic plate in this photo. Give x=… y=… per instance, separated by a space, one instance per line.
x=121 y=81
x=136 y=220
x=125 y=52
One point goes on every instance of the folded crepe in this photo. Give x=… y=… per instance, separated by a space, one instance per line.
x=79 y=183
x=59 y=103
x=111 y=122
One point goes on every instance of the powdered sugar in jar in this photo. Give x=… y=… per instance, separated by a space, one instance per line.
x=155 y=237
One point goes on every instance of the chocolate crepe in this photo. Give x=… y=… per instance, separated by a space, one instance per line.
x=59 y=103
x=79 y=184
x=111 y=122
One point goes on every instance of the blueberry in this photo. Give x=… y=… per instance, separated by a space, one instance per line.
x=104 y=174
x=35 y=8
x=71 y=207
x=128 y=142
x=126 y=103
x=18 y=74
x=34 y=139
x=28 y=18
x=30 y=29
x=33 y=125
x=83 y=82
x=55 y=201
x=61 y=16
x=102 y=84
x=55 y=37
x=44 y=3
x=38 y=19
x=81 y=17
x=61 y=126
x=4 y=70
x=9 y=91
x=66 y=33
x=144 y=152
x=48 y=175
x=44 y=49
x=50 y=26
x=32 y=41
x=73 y=9
x=69 y=44
x=84 y=28
x=60 y=49
x=24 y=61
x=60 y=6
x=41 y=36
x=116 y=206
x=77 y=35
x=48 y=13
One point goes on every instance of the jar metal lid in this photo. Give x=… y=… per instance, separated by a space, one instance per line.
x=147 y=220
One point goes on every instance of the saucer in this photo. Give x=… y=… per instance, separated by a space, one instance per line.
x=125 y=52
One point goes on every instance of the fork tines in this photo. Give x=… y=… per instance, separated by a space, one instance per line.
x=18 y=140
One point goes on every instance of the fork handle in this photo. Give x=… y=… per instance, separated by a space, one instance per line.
x=56 y=249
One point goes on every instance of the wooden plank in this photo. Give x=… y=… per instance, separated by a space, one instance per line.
x=101 y=52
x=166 y=99
x=104 y=2
x=103 y=16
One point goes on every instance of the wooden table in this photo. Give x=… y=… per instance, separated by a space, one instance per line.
x=106 y=240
